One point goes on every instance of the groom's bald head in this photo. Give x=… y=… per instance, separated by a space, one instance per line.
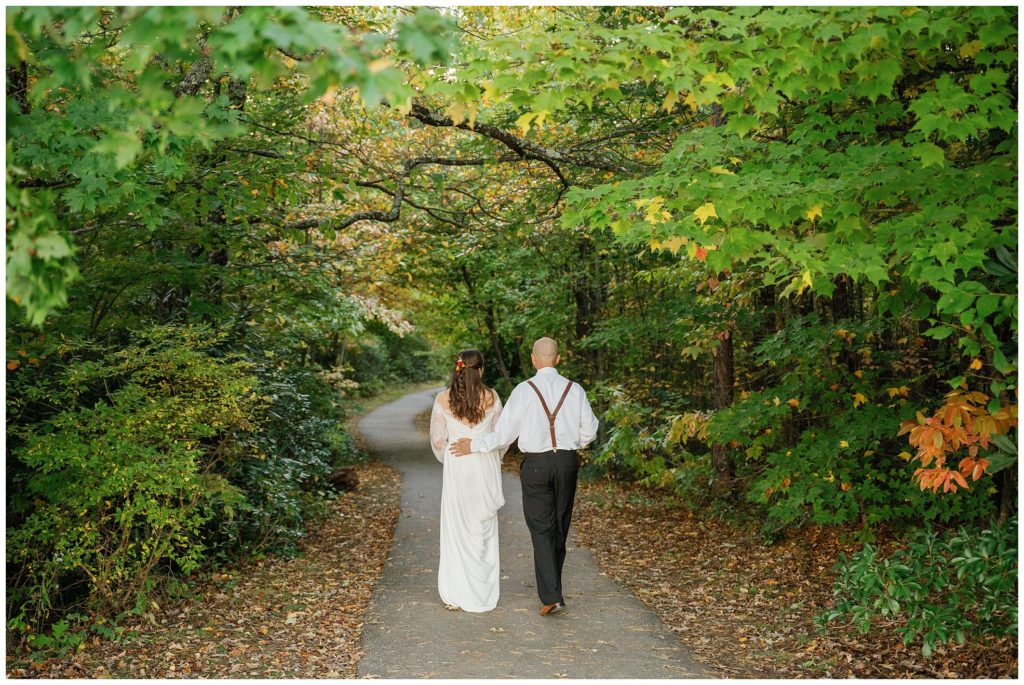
x=545 y=353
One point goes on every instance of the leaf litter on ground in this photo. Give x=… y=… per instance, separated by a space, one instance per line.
x=268 y=618
x=745 y=608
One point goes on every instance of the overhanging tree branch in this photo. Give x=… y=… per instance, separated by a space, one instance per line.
x=398 y=196
x=522 y=147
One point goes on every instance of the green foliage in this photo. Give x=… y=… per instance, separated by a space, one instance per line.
x=110 y=84
x=940 y=587
x=821 y=441
x=639 y=445
x=169 y=333
x=283 y=470
x=384 y=358
x=122 y=477
x=764 y=236
x=854 y=142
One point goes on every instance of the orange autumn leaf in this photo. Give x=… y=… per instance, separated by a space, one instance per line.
x=963 y=422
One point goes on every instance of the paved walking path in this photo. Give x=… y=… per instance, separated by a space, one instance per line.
x=605 y=633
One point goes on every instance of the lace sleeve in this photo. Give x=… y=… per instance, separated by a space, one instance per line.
x=438 y=431
x=497 y=415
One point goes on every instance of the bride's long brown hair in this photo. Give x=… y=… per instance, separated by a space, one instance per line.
x=467 y=392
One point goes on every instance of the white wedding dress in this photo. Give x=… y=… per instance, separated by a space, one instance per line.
x=471 y=494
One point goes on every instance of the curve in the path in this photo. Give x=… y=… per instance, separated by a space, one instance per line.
x=408 y=633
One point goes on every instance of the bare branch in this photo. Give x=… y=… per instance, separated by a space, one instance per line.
x=398 y=196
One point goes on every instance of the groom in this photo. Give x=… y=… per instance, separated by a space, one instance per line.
x=552 y=419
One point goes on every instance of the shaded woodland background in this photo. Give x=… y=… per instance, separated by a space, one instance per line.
x=778 y=245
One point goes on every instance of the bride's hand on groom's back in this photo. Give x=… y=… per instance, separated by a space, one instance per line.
x=460 y=447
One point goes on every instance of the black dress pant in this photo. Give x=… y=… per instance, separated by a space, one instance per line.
x=549 y=489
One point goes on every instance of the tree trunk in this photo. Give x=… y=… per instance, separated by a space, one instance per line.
x=721 y=461
x=17 y=85
x=489 y=322
x=1007 y=494
x=723 y=372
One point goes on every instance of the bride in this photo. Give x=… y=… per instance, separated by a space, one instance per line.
x=467 y=576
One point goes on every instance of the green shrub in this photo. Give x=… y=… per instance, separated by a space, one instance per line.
x=283 y=480
x=821 y=445
x=942 y=586
x=113 y=489
x=638 y=444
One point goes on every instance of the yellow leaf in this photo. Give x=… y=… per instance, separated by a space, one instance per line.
x=490 y=93
x=969 y=50
x=378 y=65
x=735 y=161
x=844 y=443
x=691 y=101
x=721 y=78
x=705 y=212
x=975 y=365
x=523 y=122
x=813 y=212
x=670 y=100
x=859 y=399
x=674 y=243
x=776 y=401
x=654 y=212
x=805 y=282
x=905 y=456
x=722 y=170
x=793 y=402
x=457 y=111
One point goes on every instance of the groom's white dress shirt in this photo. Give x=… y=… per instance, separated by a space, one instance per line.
x=523 y=417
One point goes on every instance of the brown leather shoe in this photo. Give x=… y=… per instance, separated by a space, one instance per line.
x=551 y=608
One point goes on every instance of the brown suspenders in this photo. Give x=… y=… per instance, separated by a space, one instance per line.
x=551 y=416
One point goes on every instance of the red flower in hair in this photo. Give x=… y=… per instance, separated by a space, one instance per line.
x=459 y=365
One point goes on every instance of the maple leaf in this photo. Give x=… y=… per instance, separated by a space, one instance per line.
x=670 y=100
x=969 y=50
x=814 y=211
x=805 y=282
x=705 y=212
x=674 y=243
